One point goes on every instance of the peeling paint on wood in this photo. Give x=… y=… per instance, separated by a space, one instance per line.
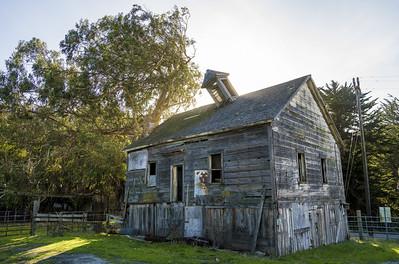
x=193 y=224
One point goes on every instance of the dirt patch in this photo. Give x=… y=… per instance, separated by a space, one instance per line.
x=76 y=259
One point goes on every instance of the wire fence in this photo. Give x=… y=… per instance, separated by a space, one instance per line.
x=374 y=227
x=14 y=223
x=58 y=223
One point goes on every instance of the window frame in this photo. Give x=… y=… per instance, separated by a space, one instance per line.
x=301 y=166
x=149 y=171
x=211 y=170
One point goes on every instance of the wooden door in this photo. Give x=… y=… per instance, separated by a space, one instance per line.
x=176 y=184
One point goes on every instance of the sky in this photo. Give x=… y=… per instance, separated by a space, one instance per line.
x=260 y=43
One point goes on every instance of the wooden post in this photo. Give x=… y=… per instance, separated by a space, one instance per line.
x=35 y=210
x=73 y=216
x=359 y=223
x=356 y=85
x=126 y=200
x=153 y=209
x=258 y=222
x=386 y=224
x=50 y=227
x=187 y=194
x=338 y=229
x=7 y=216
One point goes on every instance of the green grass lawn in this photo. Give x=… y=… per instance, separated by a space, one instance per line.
x=120 y=249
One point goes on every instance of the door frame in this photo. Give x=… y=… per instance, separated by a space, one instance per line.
x=171 y=183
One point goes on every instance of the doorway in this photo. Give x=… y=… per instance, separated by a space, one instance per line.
x=176 y=184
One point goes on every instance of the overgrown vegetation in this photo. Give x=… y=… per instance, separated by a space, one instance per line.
x=66 y=115
x=120 y=249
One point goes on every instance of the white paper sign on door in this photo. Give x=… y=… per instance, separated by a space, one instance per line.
x=200 y=180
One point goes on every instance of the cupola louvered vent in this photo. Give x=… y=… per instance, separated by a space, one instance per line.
x=219 y=87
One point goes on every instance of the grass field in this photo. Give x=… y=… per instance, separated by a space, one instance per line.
x=120 y=249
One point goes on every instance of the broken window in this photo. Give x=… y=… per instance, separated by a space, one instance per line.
x=152 y=174
x=324 y=170
x=216 y=168
x=302 y=167
x=137 y=160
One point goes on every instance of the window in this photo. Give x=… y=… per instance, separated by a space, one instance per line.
x=323 y=170
x=137 y=160
x=152 y=174
x=301 y=168
x=216 y=168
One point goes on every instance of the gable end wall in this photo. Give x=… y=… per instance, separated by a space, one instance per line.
x=309 y=214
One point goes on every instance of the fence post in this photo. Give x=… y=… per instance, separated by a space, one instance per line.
x=359 y=223
x=23 y=222
x=7 y=216
x=386 y=224
x=50 y=227
x=35 y=210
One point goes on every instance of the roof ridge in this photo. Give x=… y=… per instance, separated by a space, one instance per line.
x=279 y=84
x=242 y=95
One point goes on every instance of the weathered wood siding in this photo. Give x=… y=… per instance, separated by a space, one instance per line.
x=309 y=225
x=229 y=209
x=305 y=217
x=258 y=161
x=235 y=227
x=246 y=169
x=225 y=226
x=157 y=220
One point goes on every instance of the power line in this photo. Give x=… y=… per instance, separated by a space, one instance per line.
x=380 y=80
x=379 y=76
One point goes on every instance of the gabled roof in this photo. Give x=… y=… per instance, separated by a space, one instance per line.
x=248 y=109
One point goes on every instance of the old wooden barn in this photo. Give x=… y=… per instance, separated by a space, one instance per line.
x=260 y=171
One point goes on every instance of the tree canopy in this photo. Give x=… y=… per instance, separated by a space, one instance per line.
x=66 y=115
x=382 y=134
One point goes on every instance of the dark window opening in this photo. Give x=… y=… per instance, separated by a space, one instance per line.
x=152 y=174
x=324 y=170
x=302 y=167
x=216 y=168
x=153 y=168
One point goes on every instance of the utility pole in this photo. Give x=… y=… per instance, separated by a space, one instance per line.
x=358 y=93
